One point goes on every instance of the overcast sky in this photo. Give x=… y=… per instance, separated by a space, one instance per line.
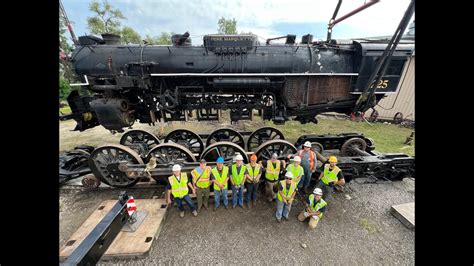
x=265 y=18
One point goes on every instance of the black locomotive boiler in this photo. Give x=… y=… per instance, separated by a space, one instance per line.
x=235 y=72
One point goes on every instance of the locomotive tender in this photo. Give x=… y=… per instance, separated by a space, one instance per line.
x=150 y=83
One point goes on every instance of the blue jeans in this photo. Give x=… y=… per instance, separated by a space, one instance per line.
x=282 y=209
x=238 y=193
x=251 y=192
x=218 y=194
x=179 y=202
x=307 y=175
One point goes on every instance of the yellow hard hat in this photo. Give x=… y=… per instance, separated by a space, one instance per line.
x=332 y=159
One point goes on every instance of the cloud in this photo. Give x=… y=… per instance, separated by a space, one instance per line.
x=263 y=18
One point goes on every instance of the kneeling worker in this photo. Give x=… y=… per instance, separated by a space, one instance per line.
x=178 y=186
x=315 y=206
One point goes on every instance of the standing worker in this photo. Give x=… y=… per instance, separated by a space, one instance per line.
x=202 y=184
x=315 y=206
x=297 y=171
x=330 y=177
x=308 y=162
x=178 y=186
x=220 y=179
x=273 y=169
x=252 y=178
x=237 y=179
x=286 y=195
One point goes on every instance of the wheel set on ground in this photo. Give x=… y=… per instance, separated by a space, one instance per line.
x=185 y=147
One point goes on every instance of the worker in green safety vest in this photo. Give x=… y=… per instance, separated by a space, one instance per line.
x=178 y=185
x=252 y=177
x=237 y=179
x=286 y=195
x=273 y=169
x=315 y=206
x=330 y=178
x=297 y=170
x=202 y=184
x=220 y=179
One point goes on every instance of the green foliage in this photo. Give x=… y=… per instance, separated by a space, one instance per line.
x=106 y=18
x=163 y=39
x=129 y=35
x=64 y=88
x=227 y=26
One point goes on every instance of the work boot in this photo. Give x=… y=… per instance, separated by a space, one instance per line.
x=254 y=203
x=242 y=206
x=215 y=208
x=205 y=207
x=286 y=218
x=226 y=207
x=195 y=213
x=199 y=208
x=233 y=206
x=181 y=214
x=279 y=220
x=249 y=205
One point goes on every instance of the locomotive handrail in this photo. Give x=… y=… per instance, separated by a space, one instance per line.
x=249 y=74
x=81 y=84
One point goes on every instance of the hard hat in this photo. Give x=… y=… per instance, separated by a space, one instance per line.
x=203 y=160
x=253 y=157
x=289 y=175
x=220 y=160
x=275 y=156
x=318 y=191
x=297 y=159
x=307 y=144
x=176 y=167
x=239 y=157
x=332 y=159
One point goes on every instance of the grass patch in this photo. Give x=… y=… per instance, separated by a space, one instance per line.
x=388 y=138
x=65 y=110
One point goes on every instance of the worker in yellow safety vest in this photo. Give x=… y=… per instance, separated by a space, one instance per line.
x=297 y=170
x=178 y=185
x=286 y=195
x=315 y=206
x=202 y=184
x=273 y=169
x=330 y=178
x=237 y=179
x=252 y=177
x=220 y=179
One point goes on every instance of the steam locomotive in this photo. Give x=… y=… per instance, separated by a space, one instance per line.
x=149 y=83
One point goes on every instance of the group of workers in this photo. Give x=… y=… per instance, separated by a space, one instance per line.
x=296 y=179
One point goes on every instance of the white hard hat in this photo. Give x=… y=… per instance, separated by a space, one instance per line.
x=307 y=144
x=297 y=159
x=289 y=175
x=275 y=156
x=239 y=157
x=176 y=167
x=318 y=191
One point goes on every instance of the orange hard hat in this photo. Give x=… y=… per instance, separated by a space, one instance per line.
x=253 y=157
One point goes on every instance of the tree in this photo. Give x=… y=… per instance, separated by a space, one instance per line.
x=163 y=39
x=227 y=26
x=64 y=88
x=106 y=19
x=129 y=35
